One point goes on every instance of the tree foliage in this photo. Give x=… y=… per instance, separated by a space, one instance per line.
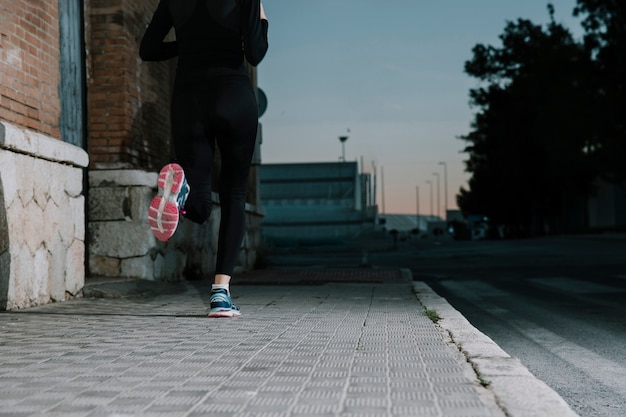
x=543 y=131
x=605 y=39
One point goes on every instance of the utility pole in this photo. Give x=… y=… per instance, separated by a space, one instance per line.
x=374 y=196
x=431 y=197
x=436 y=174
x=382 y=186
x=445 y=187
x=417 y=206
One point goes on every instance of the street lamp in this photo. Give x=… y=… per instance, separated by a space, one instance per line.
x=431 y=197
x=436 y=174
x=382 y=187
x=445 y=185
x=343 y=140
x=374 y=195
x=417 y=206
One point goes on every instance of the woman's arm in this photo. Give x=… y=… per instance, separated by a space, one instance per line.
x=153 y=47
x=263 y=13
x=254 y=26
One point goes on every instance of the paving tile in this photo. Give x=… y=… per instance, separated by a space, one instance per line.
x=340 y=349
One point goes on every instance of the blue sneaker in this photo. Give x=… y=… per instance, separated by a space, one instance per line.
x=222 y=305
x=165 y=209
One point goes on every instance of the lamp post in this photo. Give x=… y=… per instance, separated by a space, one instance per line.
x=374 y=196
x=343 y=140
x=431 y=197
x=436 y=174
x=445 y=186
x=417 y=206
x=382 y=187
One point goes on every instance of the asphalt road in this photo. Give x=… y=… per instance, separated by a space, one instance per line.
x=558 y=304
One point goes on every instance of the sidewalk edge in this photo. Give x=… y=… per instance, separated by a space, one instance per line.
x=517 y=391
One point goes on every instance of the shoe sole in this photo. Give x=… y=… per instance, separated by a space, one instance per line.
x=163 y=214
x=224 y=313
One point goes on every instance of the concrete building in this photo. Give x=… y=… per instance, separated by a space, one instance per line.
x=607 y=207
x=84 y=129
x=313 y=202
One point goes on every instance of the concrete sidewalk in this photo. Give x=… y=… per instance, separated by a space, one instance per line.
x=309 y=343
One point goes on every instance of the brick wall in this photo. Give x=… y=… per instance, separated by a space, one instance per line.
x=29 y=65
x=128 y=100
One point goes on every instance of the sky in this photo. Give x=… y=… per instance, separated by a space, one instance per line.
x=389 y=75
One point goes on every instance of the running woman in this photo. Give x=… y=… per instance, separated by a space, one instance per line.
x=213 y=103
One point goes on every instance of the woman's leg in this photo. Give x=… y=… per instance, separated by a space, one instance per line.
x=235 y=119
x=237 y=116
x=194 y=144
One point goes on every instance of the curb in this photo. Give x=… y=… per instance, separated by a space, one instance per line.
x=517 y=391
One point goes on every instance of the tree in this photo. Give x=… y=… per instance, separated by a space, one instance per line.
x=605 y=39
x=527 y=146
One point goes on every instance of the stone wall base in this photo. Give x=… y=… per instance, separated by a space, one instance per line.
x=120 y=242
x=42 y=218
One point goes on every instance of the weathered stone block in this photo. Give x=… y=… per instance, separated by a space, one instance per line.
x=43 y=213
x=30 y=226
x=41 y=195
x=74 y=184
x=120 y=239
x=58 y=182
x=25 y=180
x=58 y=269
x=5 y=265
x=104 y=265
x=9 y=177
x=191 y=251
x=58 y=224
x=41 y=267
x=75 y=264
x=107 y=203
x=122 y=178
x=21 y=291
x=159 y=268
x=4 y=227
x=140 y=198
x=140 y=267
x=77 y=207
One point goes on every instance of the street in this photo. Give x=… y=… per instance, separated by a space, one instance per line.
x=557 y=304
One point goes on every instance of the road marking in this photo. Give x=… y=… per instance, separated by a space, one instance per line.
x=608 y=372
x=574 y=286
x=479 y=289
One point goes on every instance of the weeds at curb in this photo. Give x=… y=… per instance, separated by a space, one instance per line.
x=432 y=315
x=483 y=381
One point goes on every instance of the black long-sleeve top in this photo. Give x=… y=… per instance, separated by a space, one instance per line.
x=208 y=33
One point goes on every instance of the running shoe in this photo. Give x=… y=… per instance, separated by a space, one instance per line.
x=222 y=305
x=165 y=209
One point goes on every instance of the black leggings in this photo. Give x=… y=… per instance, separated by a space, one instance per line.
x=222 y=108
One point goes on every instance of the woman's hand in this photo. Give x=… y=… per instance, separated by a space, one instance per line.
x=263 y=12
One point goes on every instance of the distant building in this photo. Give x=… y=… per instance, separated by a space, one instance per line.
x=306 y=202
x=405 y=222
x=607 y=207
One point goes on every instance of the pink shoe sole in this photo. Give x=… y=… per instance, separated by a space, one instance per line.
x=163 y=213
x=224 y=314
